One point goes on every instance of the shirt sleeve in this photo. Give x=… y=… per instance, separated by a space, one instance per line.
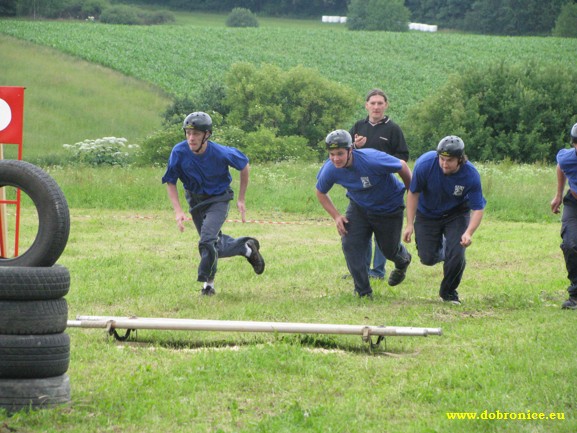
x=237 y=159
x=171 y=175
x=324 y=181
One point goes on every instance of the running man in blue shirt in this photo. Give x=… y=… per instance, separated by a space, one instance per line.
x=375 y=205
x=567 y=173
x=445 y=206
x=203 y=168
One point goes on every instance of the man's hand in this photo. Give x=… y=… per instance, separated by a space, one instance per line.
x=180 y=218
x=242 y=209
x=466 y=240
x=360 y=141
x=408 y=234
x=556 y=204
x=341 y=222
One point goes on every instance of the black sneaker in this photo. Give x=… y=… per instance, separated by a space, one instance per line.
x=570 y=304
x=398 y=275
x=452 y=300
x=208 y=291
x=450 y=297
x=368 y=295
x=255 y=258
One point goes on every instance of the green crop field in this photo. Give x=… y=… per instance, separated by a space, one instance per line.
x=505 y=361
x=180 y=59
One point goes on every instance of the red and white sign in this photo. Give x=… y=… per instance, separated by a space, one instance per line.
x=11 y=114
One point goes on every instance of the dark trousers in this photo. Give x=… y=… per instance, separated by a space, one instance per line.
x=439 y=240
x=569 y=240
x=361 y=226
x=209 y=215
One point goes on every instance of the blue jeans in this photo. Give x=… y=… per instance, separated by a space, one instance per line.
x=378 y=261
x=439 y=240
x=360 y=228
x=209 y=216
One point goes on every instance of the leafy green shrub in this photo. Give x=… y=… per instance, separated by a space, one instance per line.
x=209 y=99
x=103 y=151
x=566 y=24
x=297 y=102
x=158 y=17
x=263 y=145
x=241 y=17
x=132 y=15
x=122 y=14
x=156 y=147
x=519 y=112
x=388 y=15
x=93 y=8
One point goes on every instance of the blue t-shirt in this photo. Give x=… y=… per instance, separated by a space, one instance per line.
x=567 y=160
x=439 y=193
x=369 y=181
x=207 y=173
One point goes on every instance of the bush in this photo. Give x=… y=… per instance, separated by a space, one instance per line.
x=209 y=99
x=566 y=24
x=388 y=15
x=121 y=14
x=241 y=17
x=156 y=148
x=103 y=151
x=263 y=145
x=158 y=17
x=132 y=15
x=93 y=8
x=519 y=112
x=297 y=102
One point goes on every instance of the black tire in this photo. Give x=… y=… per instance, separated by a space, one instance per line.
x=34 y=356
x=36 y=283
x=52 y=209
x=23 y=394
x=33 y=317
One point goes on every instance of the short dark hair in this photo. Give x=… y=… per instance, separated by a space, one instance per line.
x=378 y=92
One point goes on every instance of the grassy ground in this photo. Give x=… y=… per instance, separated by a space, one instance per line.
x=505 y=349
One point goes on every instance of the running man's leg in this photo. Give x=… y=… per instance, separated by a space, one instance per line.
x=208 y=222
x=454 y=265
x=354 y=245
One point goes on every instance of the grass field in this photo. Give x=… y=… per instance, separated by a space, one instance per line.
x=507 y=349
x=180 y=59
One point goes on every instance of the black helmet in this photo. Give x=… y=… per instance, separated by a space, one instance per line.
x=451 y=145
x=339 y=139
x=199 y=121
x=574 y=132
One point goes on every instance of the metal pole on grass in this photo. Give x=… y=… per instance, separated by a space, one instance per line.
x=133 y=323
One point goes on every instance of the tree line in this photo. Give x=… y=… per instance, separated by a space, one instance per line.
x=497 y=17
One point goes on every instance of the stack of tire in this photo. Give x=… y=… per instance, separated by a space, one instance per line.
x=34 y=348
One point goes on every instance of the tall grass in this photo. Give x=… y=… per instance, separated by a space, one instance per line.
x=514 y=192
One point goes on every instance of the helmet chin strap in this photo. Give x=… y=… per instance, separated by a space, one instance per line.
x=207 y=135
x=349 y=157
